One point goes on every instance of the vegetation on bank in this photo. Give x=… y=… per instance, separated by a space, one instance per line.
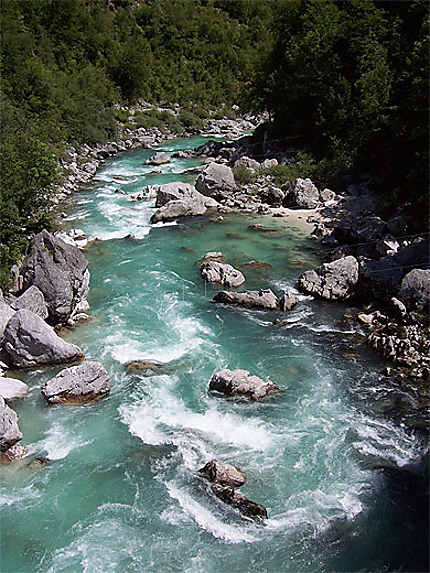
x=348 y=80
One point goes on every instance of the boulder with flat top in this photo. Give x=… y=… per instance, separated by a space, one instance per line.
x=221 y=273
x=86 y=382
x=257 y=299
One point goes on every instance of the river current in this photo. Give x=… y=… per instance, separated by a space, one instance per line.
x=120 y=492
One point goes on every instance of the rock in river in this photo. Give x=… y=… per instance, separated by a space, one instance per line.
x=60 y=271
x=29 y=341
x=10 y=388
x=179 y=208
x=332 y=281
x=219 y=472
x=241 y=383
x=158 y=158
x=221 y=273
x=178 y=190
x=87 y=382
x=9 y=430
x=258 y=299
x=240 y=502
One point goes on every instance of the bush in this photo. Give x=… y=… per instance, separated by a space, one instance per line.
x=243 y=176
x=303 y=165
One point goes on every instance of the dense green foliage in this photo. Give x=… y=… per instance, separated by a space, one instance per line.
x=350 y=80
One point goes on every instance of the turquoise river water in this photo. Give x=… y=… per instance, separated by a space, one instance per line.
x=120 y=492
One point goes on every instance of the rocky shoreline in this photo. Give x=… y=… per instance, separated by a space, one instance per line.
x=372 y=263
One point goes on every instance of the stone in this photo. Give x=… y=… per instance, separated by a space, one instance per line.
x=216 y=181
x=241 y=383
x=178 y=190
x=327 y=195
x=258 y=299
x=6 y=313
x=148 y=367
x=158 y=158
x=32 y=299
x=212 y=256
x=237 y=500
x=287 y=301
x=247 y=163
x=13 y=454
x=332 y=281
x=29 y=342
x=86 y=382
x=269 y=163
x=221 y=273
x=219 y=472
x=177 y=209
x=388 y=245
x=272 y=196
x=60 y=271
x=10 y=433
x=415 y=289
x=10 y=388
x=301 y=194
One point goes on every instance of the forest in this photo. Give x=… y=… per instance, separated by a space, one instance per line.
x=348 y=79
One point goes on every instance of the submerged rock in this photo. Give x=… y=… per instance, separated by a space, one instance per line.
x=212 y=256
x=87 y=382
x=221 y=273
x=32 y=299
x=60 y=272
x=241 y=383
x=10 y=433
x=29 y=341
x=148 y=367
x=219 y=472
x=236 y=499
x=258 y=299
x=332 y=281
x=10 y=388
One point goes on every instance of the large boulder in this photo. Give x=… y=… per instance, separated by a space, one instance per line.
x=177 y=209
x=258 y=299
x=332 y=281
x=158 y=158
x=86 y=382
x=29 y=341
x=6 y=313
x=178 y=190
x=217 y=181
x=10 y=433
x=60 y=271
x=272 y=196
x=10 y=388
x=217 y=471
x=301 y=194
x=415 y=289
x=237 y=500
x=32 y=299
x=241 y=383
x=221 y=273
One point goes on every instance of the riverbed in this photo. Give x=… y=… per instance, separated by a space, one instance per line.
x=120 y=492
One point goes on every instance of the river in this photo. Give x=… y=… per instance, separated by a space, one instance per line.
x=120 y=492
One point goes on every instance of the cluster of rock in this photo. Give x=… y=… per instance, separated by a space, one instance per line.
x=225 y=478
x=81 y=163
x=49 y=291
x=375 y=262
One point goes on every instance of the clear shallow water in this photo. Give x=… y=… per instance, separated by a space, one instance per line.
x=121 y=492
